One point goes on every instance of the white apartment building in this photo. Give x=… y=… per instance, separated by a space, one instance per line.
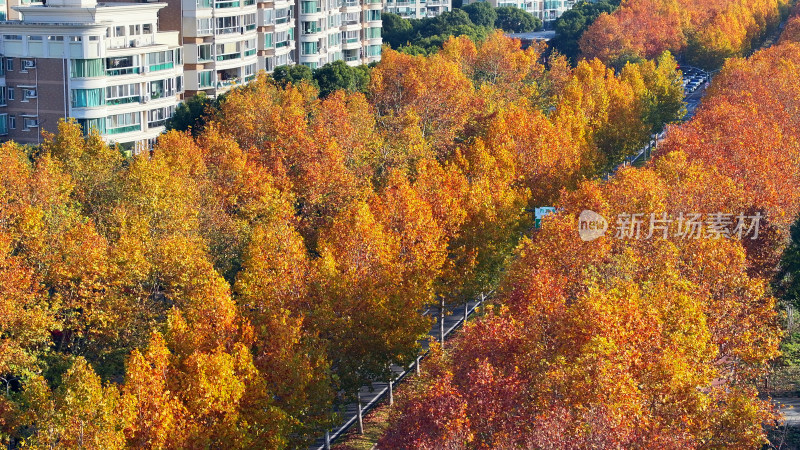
x=418 y=9
x=332 y=30
x=106 y=65
x=226 y=42
x=545 y=10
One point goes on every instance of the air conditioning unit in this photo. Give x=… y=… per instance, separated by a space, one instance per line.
x=146 y=98
x=28 y=64
x=30 y=93
x=145 y=69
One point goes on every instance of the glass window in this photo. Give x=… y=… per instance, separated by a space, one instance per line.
x=86 y=68
x=309 y=48
x=90 y=125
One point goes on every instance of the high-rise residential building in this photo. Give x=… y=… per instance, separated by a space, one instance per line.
x=106 y=65
x=226 y=42
x=332 y=30
x=546 y=10
x=418 y=9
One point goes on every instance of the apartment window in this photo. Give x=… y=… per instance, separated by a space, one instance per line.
x=94 y=38
x=11 y=93
x=249 y=22
x=28 y=93
x=123 y=123
x=310 y=27
x=75 y=39
x=204 y=52
x=90 y=125
x=55 y=38
x=269 y=17
x=35 y=38
x=9 y=64
x=334 y=39
x=281 y=39
x=309 y=48
x=268 y=40
x=162 y=88
x=249 y=72
x=158 y=117
x=204 y=3
x=350 y=37
x=205 y=79
x=86 y=68
x=3 y=124
x=119 y=31
x=29 y=122
x=250 y=47
x=374 y=50
x=373 y=33
x=160 y=60
x=122 y=93
x=204 y=27
x=12 y=122
x=227 y=25
x=334 y=20
x=147 y=28
x=134 y=29
x=374 y=15
x=87 y=98
x=228 y=51
x=307 y=7
x=282 y=15
x=12 y=37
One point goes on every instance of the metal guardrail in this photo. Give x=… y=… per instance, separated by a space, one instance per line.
x=381 y=392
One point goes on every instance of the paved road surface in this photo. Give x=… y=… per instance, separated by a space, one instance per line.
x=790 y=407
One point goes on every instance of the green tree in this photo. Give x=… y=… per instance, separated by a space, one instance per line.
x=396 y=30
x=570 y=26
x=788 y=276
x=481 y=14
x=192 y=114
x=338 y=75
x=295 y=74
x=513 y=19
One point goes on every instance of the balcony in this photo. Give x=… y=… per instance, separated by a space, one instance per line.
x=157 y=123
x=229 y=56
x=125 y=129
x=162 y=66
x=227 y=4
x=123 y=100
x=123 y=71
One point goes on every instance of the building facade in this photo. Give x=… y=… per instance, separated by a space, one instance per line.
x=226 y=42
x=546 y=10
x=106 y=65
x=333 y=30
x=418 y=9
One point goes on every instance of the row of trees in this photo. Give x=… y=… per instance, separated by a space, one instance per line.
x=476 y=20
x=707 y=33
x=233 y=286
x=630 y=343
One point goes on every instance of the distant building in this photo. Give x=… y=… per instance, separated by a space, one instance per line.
x=545 y=10
x=333 y=30
x=529 y=38
x=418 y=9
x=106 y=65
x=227 y=42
